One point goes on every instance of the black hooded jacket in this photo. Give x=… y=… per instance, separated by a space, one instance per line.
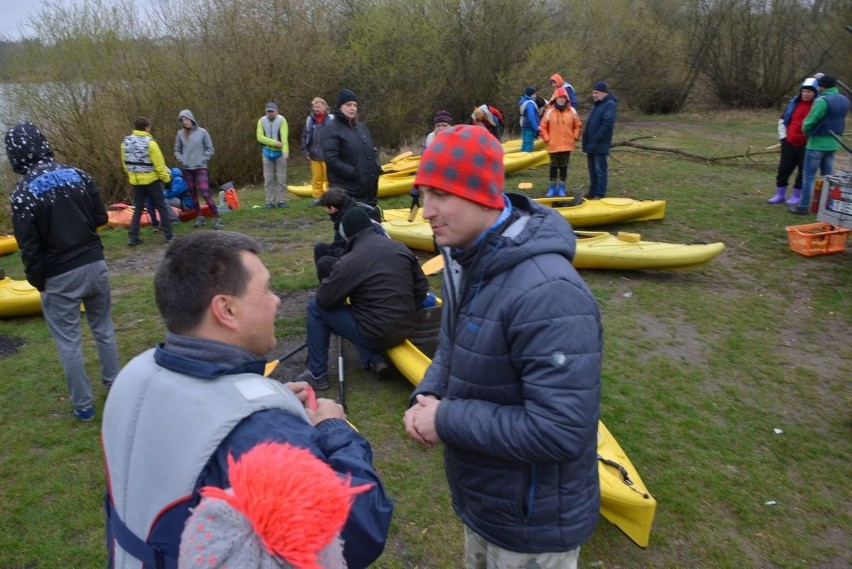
x=56 y=209
x=351 y=159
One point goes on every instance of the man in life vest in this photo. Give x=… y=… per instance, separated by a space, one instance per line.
x=178 y=414
x=272 y=135
x=147 y=172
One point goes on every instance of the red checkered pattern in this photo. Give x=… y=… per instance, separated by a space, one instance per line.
x=466 y=161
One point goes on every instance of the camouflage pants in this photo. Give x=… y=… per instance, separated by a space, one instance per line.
x=480 y=554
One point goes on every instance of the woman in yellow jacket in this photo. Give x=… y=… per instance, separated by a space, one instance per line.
x=560 y=129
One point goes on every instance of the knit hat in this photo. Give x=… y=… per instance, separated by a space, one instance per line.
x=345 y=96
x=354 y=221
x=600 y=86
x=810 y=83
x=442 y=116
x=560 y=92
x=529 y=91
x=827 y=81
x=271 y=107
x=466 y=161
x=285 y=509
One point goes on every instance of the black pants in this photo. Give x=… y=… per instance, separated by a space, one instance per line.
x=792 y=158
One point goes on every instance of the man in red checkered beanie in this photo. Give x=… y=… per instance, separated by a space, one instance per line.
x=513 y=392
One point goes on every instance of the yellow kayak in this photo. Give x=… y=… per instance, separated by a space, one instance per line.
x=595 y=249
x=625 y=500
x=18 y=298
x=399 y=175
x=8 y=244
x=591 y=213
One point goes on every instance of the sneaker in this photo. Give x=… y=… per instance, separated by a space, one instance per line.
x=200 y=221
x=170 y=239
x=315 y=203
x=318 y=383
x=282 y=203
x=218 y=224
x=85 y=414
x=155 y=229
x=380 y=367
x=799 y=210
x=134 y=242
x=269 y=206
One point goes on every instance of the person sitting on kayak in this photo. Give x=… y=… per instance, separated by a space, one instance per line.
x=337 y=202
x=384 y=286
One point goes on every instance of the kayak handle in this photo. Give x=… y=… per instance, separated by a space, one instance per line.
x=625 y=476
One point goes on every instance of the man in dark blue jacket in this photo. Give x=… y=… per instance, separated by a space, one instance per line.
x=178 y=412
x=513 y=391
x=597 y=139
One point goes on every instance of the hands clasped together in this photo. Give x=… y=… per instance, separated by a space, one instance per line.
x=420 y=421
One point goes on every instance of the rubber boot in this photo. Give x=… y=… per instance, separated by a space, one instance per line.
x=551 y=190
x=560 y=190
x=780 y=194
x=797 y=195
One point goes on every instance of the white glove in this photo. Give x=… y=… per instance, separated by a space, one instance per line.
x=782 y=129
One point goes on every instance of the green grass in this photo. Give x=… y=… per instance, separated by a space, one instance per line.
x=699 y=368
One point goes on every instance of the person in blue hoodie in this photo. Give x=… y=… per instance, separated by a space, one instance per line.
x=528 y=109
x=178 y=194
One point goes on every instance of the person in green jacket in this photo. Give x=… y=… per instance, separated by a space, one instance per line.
x=272 y=134
x=828 y=114
x=146 y=170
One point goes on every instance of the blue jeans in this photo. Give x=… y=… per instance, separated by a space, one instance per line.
x=822 y=159
x=154 y=192
x=598 y=169
x=527 y=139
x=341 y=321
x=60 y=303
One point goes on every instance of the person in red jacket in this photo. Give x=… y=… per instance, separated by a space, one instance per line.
x=793 y=142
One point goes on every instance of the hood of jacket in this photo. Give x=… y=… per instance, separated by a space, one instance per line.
x=188 y=114
x=176 y=173
x=544 y=231
x=557 y=78
x=26 y=147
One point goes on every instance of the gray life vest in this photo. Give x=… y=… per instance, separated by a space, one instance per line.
x=160 y=429
x=136 y=155
x=272 y=129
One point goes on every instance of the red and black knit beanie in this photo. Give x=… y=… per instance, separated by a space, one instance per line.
x=466 y=161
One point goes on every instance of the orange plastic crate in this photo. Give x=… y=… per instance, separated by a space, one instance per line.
x=814 y=239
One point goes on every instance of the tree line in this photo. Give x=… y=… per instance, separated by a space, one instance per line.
x=91 y=68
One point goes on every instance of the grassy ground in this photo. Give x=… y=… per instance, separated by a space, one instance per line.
x=700 y=367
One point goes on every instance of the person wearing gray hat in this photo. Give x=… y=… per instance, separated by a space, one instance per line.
x=828 y=115
x=272 y=135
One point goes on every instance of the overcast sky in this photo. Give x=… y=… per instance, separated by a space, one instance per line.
x=14 y=13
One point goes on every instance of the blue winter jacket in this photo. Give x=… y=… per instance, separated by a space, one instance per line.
x=528 y=112
x=179 y=189
x=518 y=374
x=597 y=132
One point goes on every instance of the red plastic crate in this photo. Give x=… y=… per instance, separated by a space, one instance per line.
x=814 y=239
